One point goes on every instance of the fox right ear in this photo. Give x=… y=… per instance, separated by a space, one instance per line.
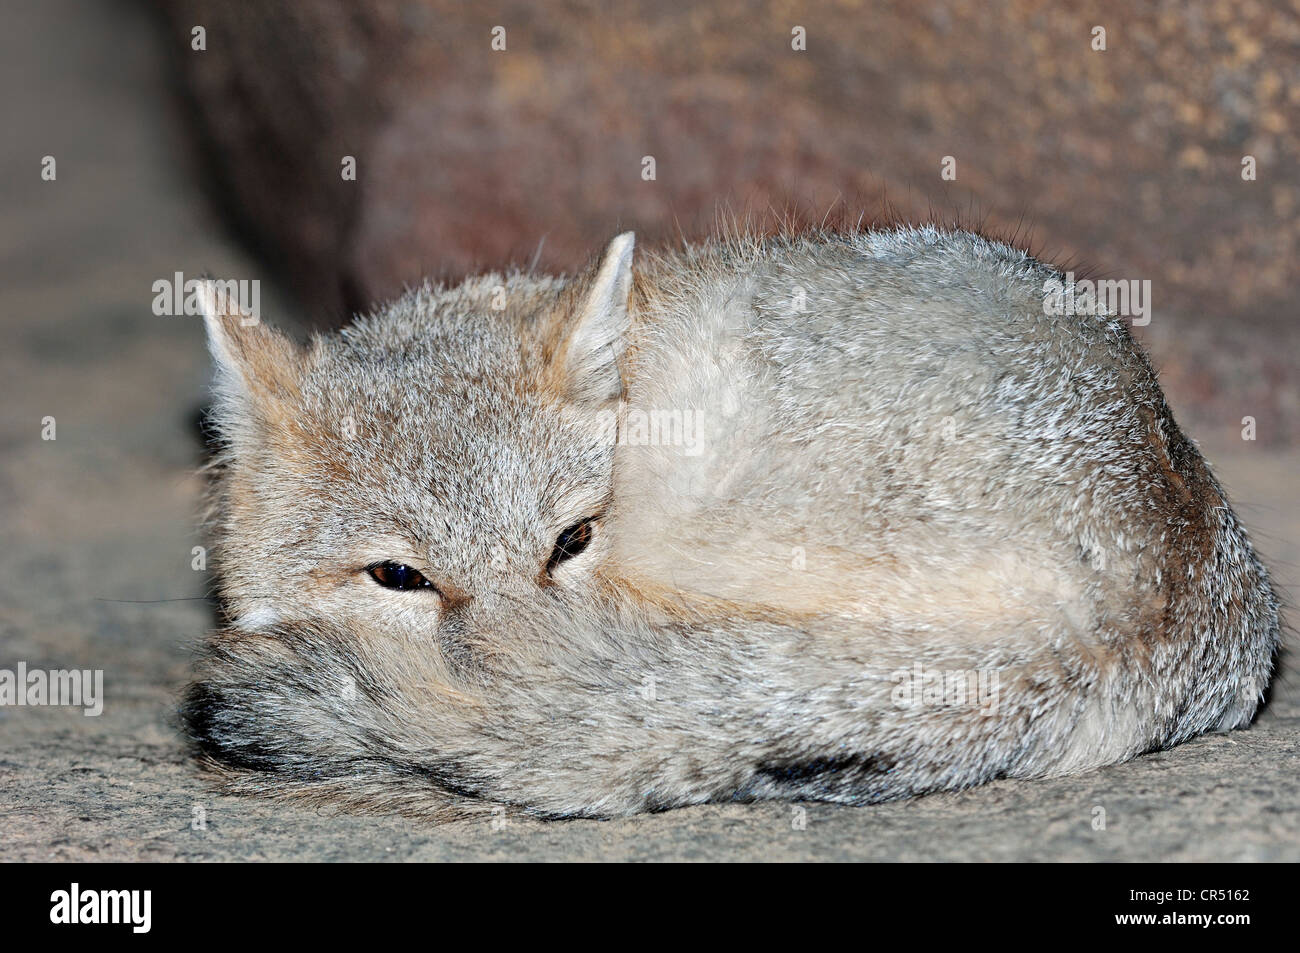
x=593 y=332
x=253 y=361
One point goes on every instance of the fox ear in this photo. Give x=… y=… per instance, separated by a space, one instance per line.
x=595 y=332
x=253 y=361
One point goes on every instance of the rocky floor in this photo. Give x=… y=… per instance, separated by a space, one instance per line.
x=98 y=528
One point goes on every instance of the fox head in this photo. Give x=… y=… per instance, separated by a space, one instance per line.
x=427 y=468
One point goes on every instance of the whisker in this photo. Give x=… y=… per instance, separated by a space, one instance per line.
x=150 y=601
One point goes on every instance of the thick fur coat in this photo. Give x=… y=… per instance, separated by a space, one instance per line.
x=861 y=518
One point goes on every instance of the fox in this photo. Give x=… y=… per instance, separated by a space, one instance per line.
x=832 y=515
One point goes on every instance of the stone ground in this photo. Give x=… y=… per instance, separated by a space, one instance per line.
x=98 y=526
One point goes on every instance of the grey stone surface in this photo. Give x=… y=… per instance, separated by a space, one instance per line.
x=105 y=515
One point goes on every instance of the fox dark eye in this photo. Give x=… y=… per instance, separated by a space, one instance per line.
x=571 y=542
x=398 y=576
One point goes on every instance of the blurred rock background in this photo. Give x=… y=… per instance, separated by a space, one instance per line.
x=1126 y=162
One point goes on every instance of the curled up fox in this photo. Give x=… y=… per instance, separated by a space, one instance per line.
x=842 y=516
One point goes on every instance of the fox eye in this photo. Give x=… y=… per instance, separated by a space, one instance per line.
x=393 y=575
x=571 y=542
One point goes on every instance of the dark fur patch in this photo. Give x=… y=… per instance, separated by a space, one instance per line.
x=212 y=724
x=844 y=777
x=818 y=768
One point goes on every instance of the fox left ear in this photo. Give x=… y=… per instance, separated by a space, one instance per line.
x=594 y=335
x=254 y=362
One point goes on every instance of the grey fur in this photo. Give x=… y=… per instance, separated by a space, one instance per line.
x=903 y=460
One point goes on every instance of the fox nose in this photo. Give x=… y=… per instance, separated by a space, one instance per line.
x=469 y=622
x=492 y=599
x=454 y=598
